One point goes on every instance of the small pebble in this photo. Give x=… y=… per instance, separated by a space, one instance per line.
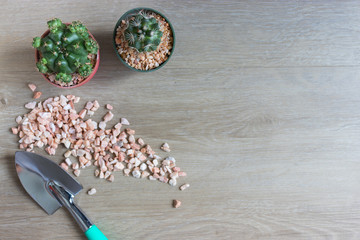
x=140 y=141
x=107 y=174
x=89 y=105
x=64 y=166
x=136 y=174
x=91 y=191
x=127 y=171
x=18 y=119
x=37 y=95
x=176 y=203
x=184 y=186
x=77 y=172
x=32 y=87
x=144 y=174
x=152 y=178
x=102 y=125
x=14 y=130
x=172 y=159
x=111 y=178
x=172 y=182
x=165 y=147
x=75 y=166
x=174 y=175
x=68 y=161
x=119 y=166
x=30 y=105
x=143 y=166
x=67 y=154
x=109 y=107
x=108 y=116
x=124 y=121
x=82 y=113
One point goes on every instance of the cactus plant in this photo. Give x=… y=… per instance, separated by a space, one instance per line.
x=65 y=50
x=143 y=32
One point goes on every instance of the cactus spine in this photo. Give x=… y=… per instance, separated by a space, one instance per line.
x=143 y=32
x=65 y=50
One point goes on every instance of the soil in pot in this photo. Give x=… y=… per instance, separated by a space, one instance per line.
x=144 y=60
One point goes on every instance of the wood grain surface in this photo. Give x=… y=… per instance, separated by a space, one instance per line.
x=259 y=103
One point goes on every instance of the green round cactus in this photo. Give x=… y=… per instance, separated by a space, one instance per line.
x=143 y=32
x=65 y=50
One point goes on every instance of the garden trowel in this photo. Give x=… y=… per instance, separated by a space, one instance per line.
x=52 y=187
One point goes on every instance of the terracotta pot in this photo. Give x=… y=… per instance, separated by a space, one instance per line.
x=125 y=16
x=37 y=57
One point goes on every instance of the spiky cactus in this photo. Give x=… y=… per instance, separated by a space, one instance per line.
x=143 y=32
x=65 y=50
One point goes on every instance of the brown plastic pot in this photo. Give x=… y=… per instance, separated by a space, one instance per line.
x=37 y=58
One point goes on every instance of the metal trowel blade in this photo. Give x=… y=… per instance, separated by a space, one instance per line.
x=36 y=171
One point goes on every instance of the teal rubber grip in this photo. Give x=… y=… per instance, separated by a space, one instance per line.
x=93 y=233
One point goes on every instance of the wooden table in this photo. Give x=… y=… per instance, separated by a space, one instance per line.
x=260 y=105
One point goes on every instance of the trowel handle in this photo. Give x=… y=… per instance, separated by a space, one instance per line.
x=93 y=233
x=67 y=200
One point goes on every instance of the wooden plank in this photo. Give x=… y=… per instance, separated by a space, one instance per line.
x=259 y=105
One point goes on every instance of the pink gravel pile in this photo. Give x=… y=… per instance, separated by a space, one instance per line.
x=55 y=121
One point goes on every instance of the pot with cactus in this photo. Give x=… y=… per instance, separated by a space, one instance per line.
x=67 y=55
x=144 y=39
